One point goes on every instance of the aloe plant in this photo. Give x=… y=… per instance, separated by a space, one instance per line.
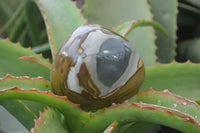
x=168 y=97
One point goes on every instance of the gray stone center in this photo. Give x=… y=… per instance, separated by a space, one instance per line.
x=112 y=60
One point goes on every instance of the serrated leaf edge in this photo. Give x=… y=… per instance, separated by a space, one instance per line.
x=29 y=48
x=37 y=61
x=8 y=76
x=36 y=121
x=183 y=116
x=174 y=62
x=47 y=27
x=166 y=91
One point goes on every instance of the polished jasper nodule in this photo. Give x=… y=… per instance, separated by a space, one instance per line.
x=96 y=67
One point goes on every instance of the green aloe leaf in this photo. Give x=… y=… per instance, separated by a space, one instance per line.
x=25 y=112
x=37 y=61
x=125 y=28
x=166 y=15
x=142 y=112
x=135 y=112
x=20 y=112
x=61 y=18
x=50 y=121
x=178 y=78
x=9 y=124
x=25 y=82
x=117 y=11
x=10 y=63
x=167 y=99
x=75 y=117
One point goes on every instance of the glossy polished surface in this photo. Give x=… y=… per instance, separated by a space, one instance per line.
x=112 y=60
x=96 y=67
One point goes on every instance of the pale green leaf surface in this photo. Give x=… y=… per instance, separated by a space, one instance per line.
x=10 y=64
x=165 y=13
x=142 y=112
x=50 y=121
x=25 y=111
x=179 y=78
x=125 y=28
x=20 y=112
x=75 y=117
x=25 y=82
x=9 y=124
x=111 y=13
x=144 y=43
x=135 y=112
x=117 y=11
x=61 y=18
x=169 y=100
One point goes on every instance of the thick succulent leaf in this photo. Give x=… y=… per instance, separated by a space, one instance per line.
x=166 y=15
x=38 y=61
x=142 y=112
x=116 y=11
x=144 y=40
x=167 y=99
x=24 y=114
x=20 y=112
x=180 y=78
x=112 y=128
x=10 y=64
x=61 y=18
x=8 y=123
x=125 y=28
x=75 y=117
x=50 y=121
x=24 y=111
x=25 y=83
x=189 y=50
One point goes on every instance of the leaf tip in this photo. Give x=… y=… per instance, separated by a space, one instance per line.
x=39 y=61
